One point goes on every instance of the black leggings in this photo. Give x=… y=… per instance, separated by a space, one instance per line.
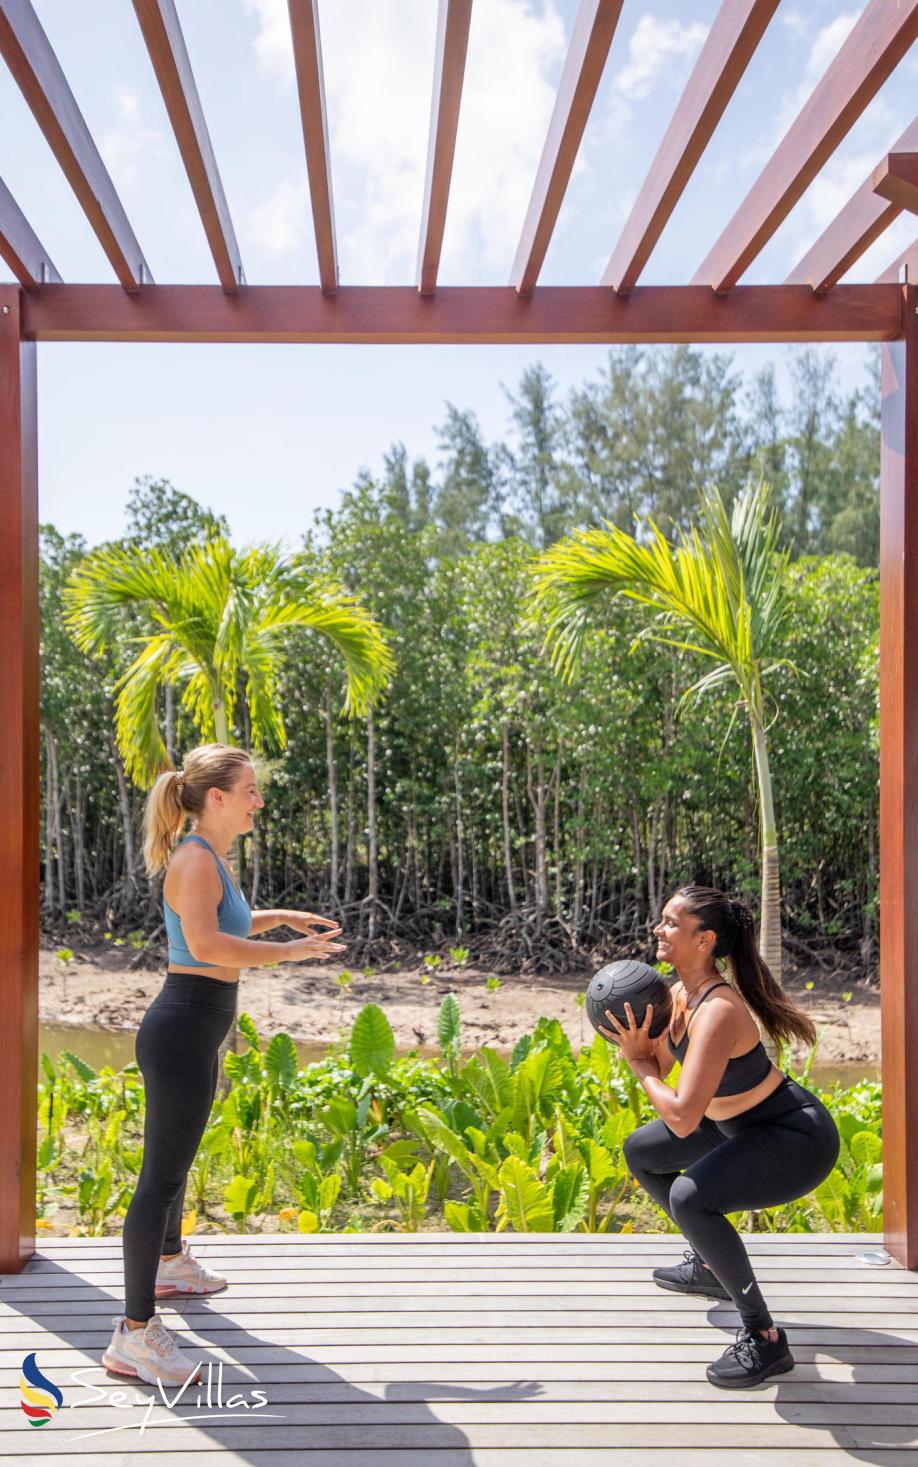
x=176 y=1048
x=774 y=1152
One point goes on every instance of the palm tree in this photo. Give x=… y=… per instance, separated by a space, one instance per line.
x=219 y=616
x=721 y=592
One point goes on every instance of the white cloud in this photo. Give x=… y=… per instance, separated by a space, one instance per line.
x=273 y=45
x=823 y=50
x=122 y=147
x=655 y=44
x=378 y=62
x=280 y=223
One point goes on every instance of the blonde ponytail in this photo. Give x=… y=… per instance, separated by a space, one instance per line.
x=180 y=794
x=163 y=818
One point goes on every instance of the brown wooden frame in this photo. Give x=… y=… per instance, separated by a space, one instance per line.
x=812 y=310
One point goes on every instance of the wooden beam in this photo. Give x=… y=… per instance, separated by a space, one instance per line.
x=879 y=39
x=36 y=69
x=453 y=22
x=730 y=45
x=19 y=732
x=456 y=314
x=165 y=43
x=307 y=55
x=899 y=784
x=896 y=180
x=20 y=246
x=591 y=39
x=853 y=230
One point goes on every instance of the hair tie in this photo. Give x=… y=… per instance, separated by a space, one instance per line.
x=180 y=778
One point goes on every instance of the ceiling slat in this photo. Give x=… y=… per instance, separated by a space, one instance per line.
x=730 y=45
x=307 y=55
x=165 y=43
x=586 y=58
x=20 y=246
x=34 y=66
x=853 y=230
x=896 y=180
x=453 y=23
x=879 y=39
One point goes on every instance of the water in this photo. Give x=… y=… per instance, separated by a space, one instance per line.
x=115 y=1047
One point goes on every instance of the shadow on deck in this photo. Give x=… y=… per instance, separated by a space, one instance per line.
x=446 y=1350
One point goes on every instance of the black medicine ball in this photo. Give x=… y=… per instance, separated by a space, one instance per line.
x=631 y=982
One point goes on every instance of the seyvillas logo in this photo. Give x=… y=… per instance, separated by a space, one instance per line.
x=39 y=1397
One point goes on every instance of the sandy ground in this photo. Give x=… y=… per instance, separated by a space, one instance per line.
x=97 y=989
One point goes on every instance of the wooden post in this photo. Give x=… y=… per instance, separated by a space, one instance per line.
x=899 y=784
x=19 y=843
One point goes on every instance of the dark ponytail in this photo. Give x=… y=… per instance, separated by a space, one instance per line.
x=732 y=923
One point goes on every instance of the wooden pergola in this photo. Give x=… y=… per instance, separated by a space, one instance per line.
x=809 y=306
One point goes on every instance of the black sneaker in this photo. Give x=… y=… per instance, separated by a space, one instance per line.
x=690 y=1277
x=751 y=1360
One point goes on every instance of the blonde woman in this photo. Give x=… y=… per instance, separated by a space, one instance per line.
x=209 y=926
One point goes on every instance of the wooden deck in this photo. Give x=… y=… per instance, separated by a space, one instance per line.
x=436 y=1350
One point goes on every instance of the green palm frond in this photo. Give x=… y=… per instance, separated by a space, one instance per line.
x=218 y=613
x=721 y=594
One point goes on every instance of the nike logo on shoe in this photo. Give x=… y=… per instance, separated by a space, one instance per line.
x=748 y=1287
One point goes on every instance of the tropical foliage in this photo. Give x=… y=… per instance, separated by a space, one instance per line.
x=363 y=1140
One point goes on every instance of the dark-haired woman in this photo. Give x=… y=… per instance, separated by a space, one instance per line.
x=735 y=1133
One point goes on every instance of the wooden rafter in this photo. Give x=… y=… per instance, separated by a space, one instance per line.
x=878 y=41
x=307 y=55
x=853 y=230
x=34 y=66
x=453 y=22
x=730 y=45
x=896 y=180
x=165 y=43
x=381 y=314
x=586 y=58
x=20 y=246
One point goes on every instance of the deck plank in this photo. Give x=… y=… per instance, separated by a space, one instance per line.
x=432 y=1350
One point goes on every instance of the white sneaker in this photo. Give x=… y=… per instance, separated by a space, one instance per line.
x=150 y=1353
x=185 y=1275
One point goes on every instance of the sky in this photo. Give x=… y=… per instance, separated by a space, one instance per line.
x=268 y=434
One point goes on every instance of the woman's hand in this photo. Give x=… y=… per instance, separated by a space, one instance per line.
x=634 y=1042
x=307 y=922
x=320 y=945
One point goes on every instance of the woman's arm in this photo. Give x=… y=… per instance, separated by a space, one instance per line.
x=206 y=943
x=304 y=922
x=714 y=1034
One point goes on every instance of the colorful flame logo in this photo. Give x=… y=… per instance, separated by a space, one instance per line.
x=40 y=1397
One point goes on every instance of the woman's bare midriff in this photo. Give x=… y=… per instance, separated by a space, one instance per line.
x=226 y=975
x=722 y=1107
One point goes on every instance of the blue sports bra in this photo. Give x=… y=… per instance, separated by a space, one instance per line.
x=234 y=915
x=743 y=1072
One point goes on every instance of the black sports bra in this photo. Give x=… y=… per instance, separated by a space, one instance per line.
x=743 y=1072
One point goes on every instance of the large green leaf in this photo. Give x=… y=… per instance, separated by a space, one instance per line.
x=372 y=1047
x=525 y=1202
x=281 y=1061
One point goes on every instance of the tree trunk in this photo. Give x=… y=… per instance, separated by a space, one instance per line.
x=537 y=798
x=556 y=831
x=170 y=721
x=460 y=866
x=579 y=862
x=351 y=824
x=372 y=856
x=50 y=818
x=127 y=822
x=505 y=809
x=770 y=930
x=79 y=866
x=332 y=794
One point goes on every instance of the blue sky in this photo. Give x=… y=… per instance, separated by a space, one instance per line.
x=267 y=434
